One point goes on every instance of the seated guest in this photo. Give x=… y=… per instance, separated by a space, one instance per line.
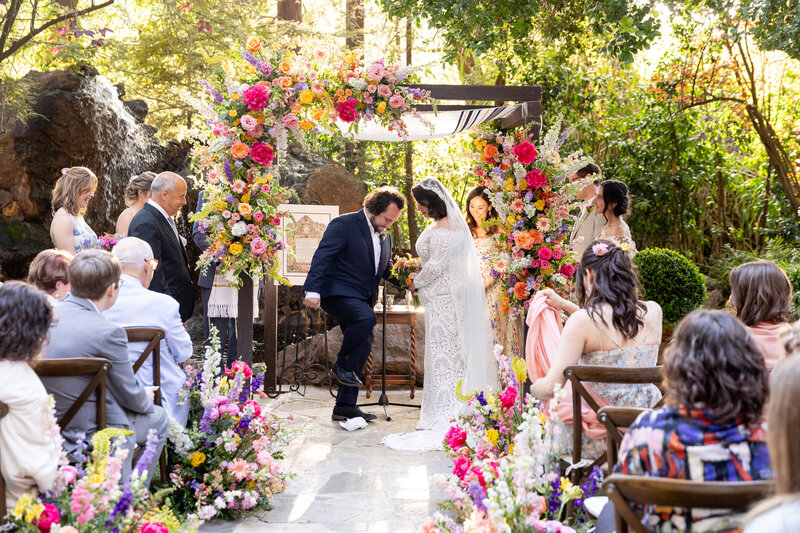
x=29 y=443
x=137 y=307
x=81 y=331
x=712 y=428
x=781 y=514
x=49 y=272
x=611 y=327
x=761 y=297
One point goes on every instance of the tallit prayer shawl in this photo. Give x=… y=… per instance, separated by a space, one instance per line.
x=224 y=298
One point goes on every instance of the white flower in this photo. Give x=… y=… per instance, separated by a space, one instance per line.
x=239 y=229
x=358 y=84
x=519 y=171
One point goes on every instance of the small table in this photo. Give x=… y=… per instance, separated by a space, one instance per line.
x=403 y=315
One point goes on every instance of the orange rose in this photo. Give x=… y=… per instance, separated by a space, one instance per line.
x=521 y=291
x=239 y=150
x=317 y=114
x=246 y=210
x=306 y=125
x=254 y=44
x=489 y=151
x=285 y=82
x=537 y=236
x=524 y=240
x=285 y=66
x=504 y=307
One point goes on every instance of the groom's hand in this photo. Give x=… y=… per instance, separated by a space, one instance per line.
x=313 y=303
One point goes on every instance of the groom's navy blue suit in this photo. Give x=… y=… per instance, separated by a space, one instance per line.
x=343 y=272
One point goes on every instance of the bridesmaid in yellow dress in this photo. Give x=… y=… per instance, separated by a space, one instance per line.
x=501 y=329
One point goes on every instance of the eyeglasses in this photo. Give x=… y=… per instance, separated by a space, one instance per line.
x=118 y=284
x=153 y=263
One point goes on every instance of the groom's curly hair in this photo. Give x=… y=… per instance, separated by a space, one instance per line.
x=378 y=200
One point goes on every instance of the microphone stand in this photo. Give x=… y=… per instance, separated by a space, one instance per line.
x=383 y=399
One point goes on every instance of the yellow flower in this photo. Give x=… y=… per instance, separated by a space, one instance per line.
x=569 y=490
x=246 y=198
x=234 y=96
x=381 y=107
x=306 y=125
x=236 y=248
x=251 y=484
x=540 y=205
x=197 y=459
x=492 y=435
x=246 y=210
x=306 y=97
x=511 y=219
x=232 y=112
x=27 y=508
x=511 y=448
x=317 y=113
x=522 y=184
x=520 y=370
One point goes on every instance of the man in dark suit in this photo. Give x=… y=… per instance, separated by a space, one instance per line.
x=352 y=257
x=226 y=327
x=155 y=225
x=81 y=331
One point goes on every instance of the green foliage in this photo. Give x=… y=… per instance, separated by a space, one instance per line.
x=777 y=24
x=671 y=280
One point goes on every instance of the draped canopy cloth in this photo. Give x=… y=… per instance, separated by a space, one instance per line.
x=444 y=124
x=541 y=346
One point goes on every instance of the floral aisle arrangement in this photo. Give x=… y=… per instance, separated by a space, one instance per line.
x=90 y=497
x=405 y=269
x=264 y=100
x=505 y=467
x=226 y=461
x=528 y=187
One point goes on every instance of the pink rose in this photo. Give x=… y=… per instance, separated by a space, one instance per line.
x=544 y=253
x=248 y=122
x=226 y=214
x=258 y=246
x=256 y=97
x=567 y=270
x=213 y=414
x=376 y=71
x=525 y=152
x=154 y=527
x=456 y=437
x=49 y=516
x=508 y=397
x=239 y=366
x=347 y=110
x=69 y=473
x=384 y=90
x=264 y=457
x=461 y=467
x=256 y=132
x=255 y=406
x=261 y=153
x=371 y=88
x=397 y=101
x=291 y=121
x=536 y=179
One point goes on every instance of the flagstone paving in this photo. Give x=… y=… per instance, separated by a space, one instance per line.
x=349 y=481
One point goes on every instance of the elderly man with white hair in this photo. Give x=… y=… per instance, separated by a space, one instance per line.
x=138 y=307
x=155 y=224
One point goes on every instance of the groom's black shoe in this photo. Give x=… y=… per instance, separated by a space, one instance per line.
x=346 y=377
x=345 y=412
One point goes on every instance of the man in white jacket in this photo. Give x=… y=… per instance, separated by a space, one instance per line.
x=138 y=307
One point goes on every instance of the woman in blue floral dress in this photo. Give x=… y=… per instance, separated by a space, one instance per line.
x=71 y=196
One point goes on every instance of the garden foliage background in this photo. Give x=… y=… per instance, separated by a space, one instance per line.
x=695 y=104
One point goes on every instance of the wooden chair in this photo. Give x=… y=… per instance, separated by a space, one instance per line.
x=153 y=338
x=3 y=510
x=97 y=368
x=580 y=374
x=615 y=419
x=625 y=490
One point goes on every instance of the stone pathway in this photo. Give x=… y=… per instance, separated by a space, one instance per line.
x=349 y=481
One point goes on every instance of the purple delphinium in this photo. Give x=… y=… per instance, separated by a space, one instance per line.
x=554 y=499
x=250 y=58
x=146 y=459
x=562 y=139
x=122 y=505
x=476 y=493
x=226 y=165
x=595 y=480
x=205 y=422
x=480 y=398
x=212 y=91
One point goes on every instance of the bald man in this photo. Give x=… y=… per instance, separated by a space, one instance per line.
x=155 y=224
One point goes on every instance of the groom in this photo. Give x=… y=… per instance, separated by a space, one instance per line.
x=352 y=257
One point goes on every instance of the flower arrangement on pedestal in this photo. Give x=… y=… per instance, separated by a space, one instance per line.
x=528 y=187
x=89 y=497
x=226 y=461
x=507 y=480
x=405 y=269
x=268 y=100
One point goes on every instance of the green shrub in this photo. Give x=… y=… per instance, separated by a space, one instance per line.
x=671 y=280
x=794 y=278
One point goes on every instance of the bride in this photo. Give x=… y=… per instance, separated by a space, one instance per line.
x=450 y=287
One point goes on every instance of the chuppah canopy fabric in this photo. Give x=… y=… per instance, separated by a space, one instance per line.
x=429 y=125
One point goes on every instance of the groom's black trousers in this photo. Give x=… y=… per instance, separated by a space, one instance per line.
x=357 y=320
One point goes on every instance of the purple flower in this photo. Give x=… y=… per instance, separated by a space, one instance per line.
x=122 y=505
x=213 y=92
x=264 y=67
x=562 y=139
x=528 y=196
x=255 y=384
x=250 y=58
x=226 y=165
x=146 y=458
x=595 y=479
x=476 y=493
x=238 y=164
x=554 y=500
x=480 y=398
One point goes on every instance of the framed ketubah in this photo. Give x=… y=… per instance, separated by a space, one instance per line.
x=302 y=230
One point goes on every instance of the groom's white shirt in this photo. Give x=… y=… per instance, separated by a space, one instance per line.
x=376 y=250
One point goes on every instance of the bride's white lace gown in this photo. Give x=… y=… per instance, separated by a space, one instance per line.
x=445 y=358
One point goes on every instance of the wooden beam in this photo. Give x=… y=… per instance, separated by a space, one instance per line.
x=270 y=318
x=483 y=93
x=529 y=112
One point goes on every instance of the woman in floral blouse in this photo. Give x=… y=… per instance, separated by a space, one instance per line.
x=712 y=429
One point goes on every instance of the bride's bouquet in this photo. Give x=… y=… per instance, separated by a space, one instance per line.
x=405 y=269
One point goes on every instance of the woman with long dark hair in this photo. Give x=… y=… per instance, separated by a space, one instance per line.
x=609 y=327
x=500 y=328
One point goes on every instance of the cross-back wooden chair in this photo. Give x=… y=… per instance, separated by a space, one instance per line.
x=580 y=374
x=642 y=490
x=3 y=510
x=616 y=419
x=96 y=367
x=153 y=338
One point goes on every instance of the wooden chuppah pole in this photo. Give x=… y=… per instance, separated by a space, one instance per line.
x=244 y=321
